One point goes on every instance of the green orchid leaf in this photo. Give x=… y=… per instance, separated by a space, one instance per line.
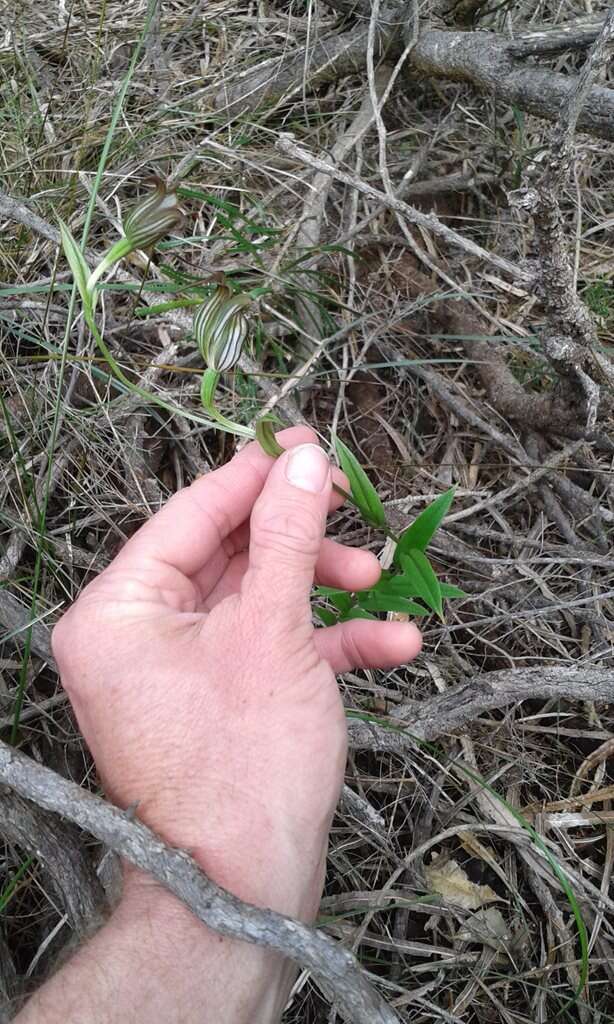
x=357 y=613
x=76 y=261
x=447 y=590
x=421 y=531
x=325 y=615
x=418 y=569
x=372 y=601
x=400 y=586
x=342 y=601
x=363 y=491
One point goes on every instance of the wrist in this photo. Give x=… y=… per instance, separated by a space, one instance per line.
x=274 y=876
x=153 y=960
x=208 y=975
x=256 y=859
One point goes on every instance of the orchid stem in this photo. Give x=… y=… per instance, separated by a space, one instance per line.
x=148 y=396
x=208 y=387
x=117 y=252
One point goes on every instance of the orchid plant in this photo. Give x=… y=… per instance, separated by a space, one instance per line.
x=221 y=326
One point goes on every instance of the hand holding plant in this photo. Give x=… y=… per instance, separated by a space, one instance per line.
x=200 y=684
x=221 y=326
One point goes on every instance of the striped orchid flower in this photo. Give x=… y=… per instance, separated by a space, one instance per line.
x=220 y=328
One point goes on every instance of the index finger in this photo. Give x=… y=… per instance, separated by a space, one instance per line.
x=192 y=525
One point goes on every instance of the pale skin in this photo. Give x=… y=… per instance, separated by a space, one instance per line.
x=207 y=697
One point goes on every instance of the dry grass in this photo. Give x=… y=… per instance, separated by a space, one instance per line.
x=535 y=562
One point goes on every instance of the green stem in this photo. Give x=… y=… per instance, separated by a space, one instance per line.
x=116 y=253
x=384 y=529
x=208 y=387
x=148 y=396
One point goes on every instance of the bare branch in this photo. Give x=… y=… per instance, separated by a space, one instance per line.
x=574 y=35
x=565 y=130
x=12 y=209
x=570 y=337
x=59 y=849
x=425 y=220
x=429 y=719
x=487 y=61
x=328 y=59
x=483 y=59
x=331 y=965
x=16 y=617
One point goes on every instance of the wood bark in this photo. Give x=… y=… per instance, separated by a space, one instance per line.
x=483 y=59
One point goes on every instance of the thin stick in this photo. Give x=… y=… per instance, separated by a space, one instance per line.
x=425 y=220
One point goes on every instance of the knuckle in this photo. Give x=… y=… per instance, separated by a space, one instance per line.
x=290 y=530
x=350 y=646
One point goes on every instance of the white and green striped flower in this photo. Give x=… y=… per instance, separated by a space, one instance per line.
x=220 y=328
x=150 y=220
x=153 y=217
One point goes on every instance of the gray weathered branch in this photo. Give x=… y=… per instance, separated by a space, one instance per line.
x=15 y=617
x=569 y=338
x=483 y=59
x=486 y=60
x=329 y=58
x=59 y=849
x=429 y=719
x=331 y=965
x=573 y=35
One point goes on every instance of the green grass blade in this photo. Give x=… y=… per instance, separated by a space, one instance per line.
x=42 y=518
x=11 y=887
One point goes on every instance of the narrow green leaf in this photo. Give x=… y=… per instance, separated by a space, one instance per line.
x=363 y=492
x=326 y=616
x=76 y=261
x=374 y=602
x=447 y=590
x=419 y=534
x=417 y=567
x=9 y=889
x=356 y=613
x=399 y=585
x=342 y=602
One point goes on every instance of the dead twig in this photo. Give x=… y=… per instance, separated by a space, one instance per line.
x=428 y=221
x=429 y=719
x=483 y=59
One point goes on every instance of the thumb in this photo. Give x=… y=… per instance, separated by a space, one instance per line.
x=287 y=527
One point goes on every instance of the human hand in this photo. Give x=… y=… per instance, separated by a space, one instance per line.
x=201 y=686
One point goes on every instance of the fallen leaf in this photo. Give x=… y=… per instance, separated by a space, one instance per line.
x=452 y=882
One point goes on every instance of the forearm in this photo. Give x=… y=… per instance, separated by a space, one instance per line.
x=154 y=962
